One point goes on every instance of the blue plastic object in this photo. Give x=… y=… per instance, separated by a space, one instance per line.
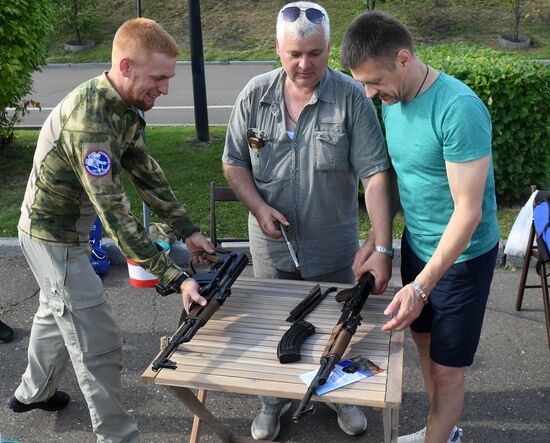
x=98 y=256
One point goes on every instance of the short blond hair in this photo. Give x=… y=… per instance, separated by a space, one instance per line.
x=138 y=37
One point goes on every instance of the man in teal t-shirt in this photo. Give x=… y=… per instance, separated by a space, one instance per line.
x=446 y=123
x=439 y=139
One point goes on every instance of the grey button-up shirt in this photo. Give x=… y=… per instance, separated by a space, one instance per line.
x=313 y=178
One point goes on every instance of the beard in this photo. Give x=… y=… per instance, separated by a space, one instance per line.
x=139 y=102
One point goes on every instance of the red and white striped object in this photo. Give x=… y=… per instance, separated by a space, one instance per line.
x=139 y=277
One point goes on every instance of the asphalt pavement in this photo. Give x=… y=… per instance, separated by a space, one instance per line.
x=223 y=81
x=507 y=396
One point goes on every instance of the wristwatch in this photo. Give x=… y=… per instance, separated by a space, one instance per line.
x=384 y=250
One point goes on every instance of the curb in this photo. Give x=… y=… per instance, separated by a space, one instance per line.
x=9 y=248
x=188 y=62
x=179 y=62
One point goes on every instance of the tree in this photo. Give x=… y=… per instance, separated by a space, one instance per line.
x=519 y=8
x=371 y=4
x=23 y=38
x=78 y=16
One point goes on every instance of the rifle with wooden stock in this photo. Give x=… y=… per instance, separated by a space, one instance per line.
x=339 y=340
x=215 y=287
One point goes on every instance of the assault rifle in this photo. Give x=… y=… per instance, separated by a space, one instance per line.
x=215 y=287
x=339 y=340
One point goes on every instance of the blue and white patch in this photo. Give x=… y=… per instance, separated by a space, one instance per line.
x=97 y=163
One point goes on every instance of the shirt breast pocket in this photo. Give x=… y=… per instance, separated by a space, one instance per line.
x=261 y=152
x=260 y=159
x=331 y=146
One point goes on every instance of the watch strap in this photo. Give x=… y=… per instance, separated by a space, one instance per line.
x=384 y=250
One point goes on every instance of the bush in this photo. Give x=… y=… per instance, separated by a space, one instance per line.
x=517 y=93
x=23 y=35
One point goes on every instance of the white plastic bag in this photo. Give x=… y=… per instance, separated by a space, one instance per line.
x=519 y=234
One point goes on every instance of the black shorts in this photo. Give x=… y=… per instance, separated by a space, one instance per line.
x=454 y=314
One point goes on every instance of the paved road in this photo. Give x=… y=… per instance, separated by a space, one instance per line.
x=508 y=388
x=224 y=81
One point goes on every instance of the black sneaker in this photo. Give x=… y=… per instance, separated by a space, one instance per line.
x=6 y=333
x=58 y=401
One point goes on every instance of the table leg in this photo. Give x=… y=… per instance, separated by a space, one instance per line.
x=199 y=409
x=390 y=418
x=195 y=430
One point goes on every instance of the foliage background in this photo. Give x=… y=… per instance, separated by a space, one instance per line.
x=244 y=29
x=25 y=26
x=515 y=90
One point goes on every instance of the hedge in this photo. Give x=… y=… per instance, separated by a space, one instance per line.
x=517 y=93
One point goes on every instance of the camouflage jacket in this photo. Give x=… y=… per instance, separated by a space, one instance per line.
x=86 y=143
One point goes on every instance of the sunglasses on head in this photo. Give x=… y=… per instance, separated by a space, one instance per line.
x=292 y=13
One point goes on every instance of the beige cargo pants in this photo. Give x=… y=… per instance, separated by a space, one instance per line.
x=74 y=321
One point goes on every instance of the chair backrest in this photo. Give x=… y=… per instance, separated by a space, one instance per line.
x=220 y=194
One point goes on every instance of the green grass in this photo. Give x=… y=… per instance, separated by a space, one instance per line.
x=189 y=165
x=244 y=29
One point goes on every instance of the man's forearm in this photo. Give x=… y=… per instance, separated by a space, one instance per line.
x=378 y=200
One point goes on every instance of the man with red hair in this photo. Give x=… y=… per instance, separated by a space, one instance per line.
x=88 y=140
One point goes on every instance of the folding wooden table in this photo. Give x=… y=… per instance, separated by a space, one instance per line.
x=236 y=351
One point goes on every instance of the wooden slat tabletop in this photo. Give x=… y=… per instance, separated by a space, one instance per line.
x=236 y=351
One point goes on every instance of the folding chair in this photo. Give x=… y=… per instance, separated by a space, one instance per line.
x=534 y=251
x=224 y=194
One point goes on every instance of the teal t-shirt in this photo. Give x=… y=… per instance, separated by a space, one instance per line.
x=448 y=122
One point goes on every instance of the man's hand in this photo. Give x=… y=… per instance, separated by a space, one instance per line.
x=408 y=304
x=190 y=292
x=379 y=265
x=267 y=219
x=362 y=256
x=196 y=243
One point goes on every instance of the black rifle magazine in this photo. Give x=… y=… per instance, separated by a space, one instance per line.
x=288 y=350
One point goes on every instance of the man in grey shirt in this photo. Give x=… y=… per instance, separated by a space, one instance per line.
x=298 y=141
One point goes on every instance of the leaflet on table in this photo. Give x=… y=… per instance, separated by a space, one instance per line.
x=344 y=373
